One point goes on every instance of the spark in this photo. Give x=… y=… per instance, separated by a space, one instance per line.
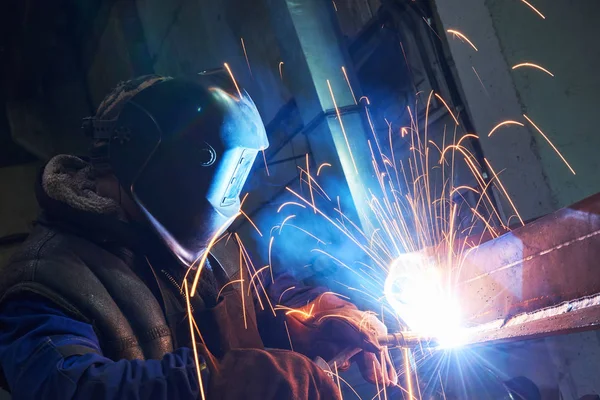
x=194 y=346
x=255 y=275
x=464 y=137
x=249 y=263
x=246 y=56
x=377 y=381
x=550 y=143
x=481 y=82
x=312 y=197
x=334 y=5
x=288 y=334
x=265 y=161
x=227 y=284
x=487 y=224
x=244 y=200
x=462 y=36
x=456 y=189
x=351 y=388
x=448 y=108
x=337 y=112
x=204 y=256
x=383 y=381
x=306 y=232
x=282 y=293
x=242 y=289
x=290 y=311
x=534 y=9
x=334 y=294
x=338 y=379
x=501 y=124
x=349 y=85
x=504 y=190
x=289 y=203
x=321 y=167
x=251 y=222
x=366 y=100
x=233 y=79
x=310 y=180
x=286 y=220
x=281 y=70
x=532 y=65
x=270 y=261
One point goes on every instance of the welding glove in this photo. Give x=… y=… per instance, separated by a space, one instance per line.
x=330 y=327
x=268 y=375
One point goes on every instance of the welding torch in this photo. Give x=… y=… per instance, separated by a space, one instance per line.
x=406 y=340
x=402 y=340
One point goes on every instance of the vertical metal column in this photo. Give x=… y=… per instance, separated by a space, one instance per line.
x=314 y=52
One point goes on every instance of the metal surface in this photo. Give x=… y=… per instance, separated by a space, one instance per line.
x=537 y=280
x=406 y=340
x=314 y=52
x=552 y=321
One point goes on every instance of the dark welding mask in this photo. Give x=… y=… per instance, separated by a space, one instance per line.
x=183 y=151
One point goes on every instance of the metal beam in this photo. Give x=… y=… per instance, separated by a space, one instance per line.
x=314 y=53
x=541 y=279
x=570 y=317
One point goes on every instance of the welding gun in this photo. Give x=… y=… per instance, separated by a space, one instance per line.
x=403 y=340
x=408 y=340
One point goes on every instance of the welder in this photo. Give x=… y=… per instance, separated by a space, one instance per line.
x=91 y=306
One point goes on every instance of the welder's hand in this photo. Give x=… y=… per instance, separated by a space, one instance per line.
x=329 y=326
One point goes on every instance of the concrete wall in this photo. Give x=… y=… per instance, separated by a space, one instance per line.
x=509 y=33
x=564 y=107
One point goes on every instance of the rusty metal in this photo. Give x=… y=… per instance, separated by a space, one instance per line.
x=554 y=323
x=525 y=283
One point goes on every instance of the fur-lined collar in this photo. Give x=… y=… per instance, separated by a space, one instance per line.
x=71 y=180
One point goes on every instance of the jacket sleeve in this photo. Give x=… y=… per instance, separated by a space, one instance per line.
x=36 y=339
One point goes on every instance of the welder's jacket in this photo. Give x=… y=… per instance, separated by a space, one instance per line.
x=99 y=294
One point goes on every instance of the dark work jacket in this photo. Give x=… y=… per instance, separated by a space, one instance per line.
x=113 y=276
x=136 y=308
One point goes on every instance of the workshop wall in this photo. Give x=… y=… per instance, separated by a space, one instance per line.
x=564 y=106
x=509 y=33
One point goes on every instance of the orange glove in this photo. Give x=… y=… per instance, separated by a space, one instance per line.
x=330 y=326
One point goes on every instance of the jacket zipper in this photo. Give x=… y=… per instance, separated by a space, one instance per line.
x=178 y=286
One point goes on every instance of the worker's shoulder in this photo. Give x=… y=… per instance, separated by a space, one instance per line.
x=48 y=256
x=59 y=266
x=47 y=244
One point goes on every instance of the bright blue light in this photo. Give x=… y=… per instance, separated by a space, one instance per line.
x=199 y=109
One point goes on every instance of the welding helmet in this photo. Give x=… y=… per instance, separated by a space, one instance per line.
x=182 y=150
